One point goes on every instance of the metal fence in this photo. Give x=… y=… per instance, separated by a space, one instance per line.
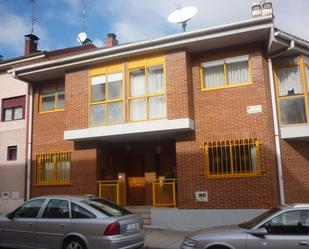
x=113 y=190
x=164 y=192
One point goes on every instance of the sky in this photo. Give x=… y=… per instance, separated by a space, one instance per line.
x=59 y=21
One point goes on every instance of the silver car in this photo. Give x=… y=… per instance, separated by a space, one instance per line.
x=284 y=227
x=68 y=222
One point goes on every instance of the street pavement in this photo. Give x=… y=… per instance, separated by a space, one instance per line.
x=163 y=238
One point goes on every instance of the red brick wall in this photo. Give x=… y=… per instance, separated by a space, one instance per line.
x=295 y=162
x=221 y=115
x=48 y=131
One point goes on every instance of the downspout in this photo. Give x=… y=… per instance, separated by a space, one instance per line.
x=275 y=119
x=29 y=136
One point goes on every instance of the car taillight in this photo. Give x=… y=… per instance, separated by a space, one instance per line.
x=112 y=229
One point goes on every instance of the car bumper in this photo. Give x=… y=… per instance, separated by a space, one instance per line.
x=187 y=247
x=127 y=242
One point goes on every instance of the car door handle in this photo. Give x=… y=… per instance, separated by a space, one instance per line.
x=304 y=243
x=62 y=225
x=30 y=224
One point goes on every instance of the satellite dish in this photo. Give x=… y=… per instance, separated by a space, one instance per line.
x=81 y=37
x=182 y=15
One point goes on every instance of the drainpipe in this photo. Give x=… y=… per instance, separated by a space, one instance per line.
x=276 y=128
x=29 y=143
x=275 y=119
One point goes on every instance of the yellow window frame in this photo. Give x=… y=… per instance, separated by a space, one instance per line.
x=226 y=85
x=56 y=92
x=302 y=70
x=229 y=145
x=145 y=63
x=55 y=157
x=105 y=71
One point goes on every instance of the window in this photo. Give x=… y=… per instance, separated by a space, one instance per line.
x=289 y=223
x=232 y=158
x=13 y=108
x=57 y=209
x=226 y=73
x=106 y=99
x=147 y=93
x=53 y=168
x=29 y=210
x=12 y=153
x=52 y=99
x=80 y=213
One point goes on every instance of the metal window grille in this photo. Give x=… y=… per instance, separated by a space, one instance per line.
x=53 y=168
x=239 y=157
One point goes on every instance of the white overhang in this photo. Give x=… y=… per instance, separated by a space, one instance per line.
x=154 y=127
x=295 y=132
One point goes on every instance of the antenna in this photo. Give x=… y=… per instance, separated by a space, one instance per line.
x=182 y=16
x=82 y=36
x=33 y=18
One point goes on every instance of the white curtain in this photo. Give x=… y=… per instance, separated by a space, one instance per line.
x=307 y=72
x=289 y=81
x=98 y=114
x=63 y=170
x=137 y=83
x=98 y=88
x=157 y=107
x=115 y=114
x=138 y=109
x=214 y=76
x=253 y=159
x=155 y=80
x=237 y=72
x=48 y=171
x=114 y=85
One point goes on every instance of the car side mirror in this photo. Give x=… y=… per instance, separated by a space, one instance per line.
x=10 y=216
x=258 y=232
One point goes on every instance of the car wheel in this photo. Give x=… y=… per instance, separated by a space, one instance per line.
x=219 y=247
x=74 y=243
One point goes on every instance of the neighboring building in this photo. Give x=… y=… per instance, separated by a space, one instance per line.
x=198 y=106
x=13 y=122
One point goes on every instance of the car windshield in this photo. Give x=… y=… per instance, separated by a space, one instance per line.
x=252 y=223
x=106 y=207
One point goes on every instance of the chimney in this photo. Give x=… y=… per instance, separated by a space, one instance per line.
x=111 y=40
x=31 y=44
x=262 y=9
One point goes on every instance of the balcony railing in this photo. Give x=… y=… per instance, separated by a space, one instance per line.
x=113 y=190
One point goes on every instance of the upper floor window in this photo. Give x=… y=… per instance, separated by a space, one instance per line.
x=232 y=158
x=292 y=91
x=106 y=99
x=12 y=153
x=147 y=93
x=13 y=108
x=53 y=168
x=52 y=99
x=227 y=72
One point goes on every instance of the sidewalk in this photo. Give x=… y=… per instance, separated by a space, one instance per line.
x=163 y=238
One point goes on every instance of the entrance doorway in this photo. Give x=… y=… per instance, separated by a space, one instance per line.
x=135 y=180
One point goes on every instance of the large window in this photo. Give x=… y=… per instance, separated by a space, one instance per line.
x=29 y=209
x=292 y=92
x=227 y=72
x=106 y=99
x=53 y=168
x=52 y=99
x=232 y=158
x=13 y=108
x=147 y=93
x=57 y=209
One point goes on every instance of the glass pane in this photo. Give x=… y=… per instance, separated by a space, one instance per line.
x=114 y=90
x=214 y=76
x=155 y=80
x=57 y=209
x=48 y=91
x=48 y=171
x=138 y=109
x=64 y=170
x=8 y=114
x=289 y=81
x=80 y=213
x=18 y=113
x=293 y=111
x=219 y=160
x=115 y=113
x=307 y=73
x=237 y=72
x=98 y=114
x=157 y=107
x=12 y=153
x=60 y=101
x=97 y=92
x=29 y=210
x=137 y=82
x=48 y=103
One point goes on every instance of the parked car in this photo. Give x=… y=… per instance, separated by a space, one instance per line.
x=68 y=222
x=284 y=227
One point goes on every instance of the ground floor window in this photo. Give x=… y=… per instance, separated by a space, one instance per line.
x=53 y=168
x=230 y=158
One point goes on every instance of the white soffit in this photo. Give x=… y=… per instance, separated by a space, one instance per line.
x=134 y=128
x=295 y=132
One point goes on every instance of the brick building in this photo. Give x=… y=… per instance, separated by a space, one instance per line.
x=223 y=110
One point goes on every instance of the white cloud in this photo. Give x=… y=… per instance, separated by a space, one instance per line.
x=98 y=42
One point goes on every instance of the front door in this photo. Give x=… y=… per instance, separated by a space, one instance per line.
x=136 y=181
